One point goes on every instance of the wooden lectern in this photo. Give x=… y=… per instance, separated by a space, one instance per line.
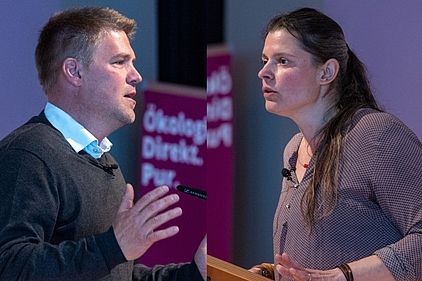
x=219 y=270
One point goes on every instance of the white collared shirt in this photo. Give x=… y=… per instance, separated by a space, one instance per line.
x=77 y=136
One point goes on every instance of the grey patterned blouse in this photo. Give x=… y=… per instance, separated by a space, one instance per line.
x=379 y=206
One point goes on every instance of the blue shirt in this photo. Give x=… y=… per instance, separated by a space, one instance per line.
x=77 y=136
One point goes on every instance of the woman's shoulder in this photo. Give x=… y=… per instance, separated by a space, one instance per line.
x=370 y=122
x=374 y=118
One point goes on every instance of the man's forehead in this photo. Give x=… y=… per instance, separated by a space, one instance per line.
x=115 y=42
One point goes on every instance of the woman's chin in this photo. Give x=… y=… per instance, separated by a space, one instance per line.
x=271 y=107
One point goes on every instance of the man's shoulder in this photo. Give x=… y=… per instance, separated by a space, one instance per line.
x=36 y=134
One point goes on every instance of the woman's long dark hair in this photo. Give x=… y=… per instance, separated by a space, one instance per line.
x=324 y=39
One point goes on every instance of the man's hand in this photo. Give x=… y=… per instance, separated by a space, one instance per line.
x=134 y=225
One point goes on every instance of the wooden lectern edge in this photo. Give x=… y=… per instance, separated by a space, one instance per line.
x=219 y=270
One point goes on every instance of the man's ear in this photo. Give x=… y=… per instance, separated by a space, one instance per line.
x=71 y=71
x=328 y=71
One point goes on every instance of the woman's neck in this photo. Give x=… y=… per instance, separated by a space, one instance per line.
x=311 y=127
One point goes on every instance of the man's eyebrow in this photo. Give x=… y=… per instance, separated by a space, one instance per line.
x=124 y=55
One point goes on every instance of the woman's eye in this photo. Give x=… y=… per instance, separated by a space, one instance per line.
x=283 y=61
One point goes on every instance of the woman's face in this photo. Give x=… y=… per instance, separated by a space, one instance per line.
x=290 y=81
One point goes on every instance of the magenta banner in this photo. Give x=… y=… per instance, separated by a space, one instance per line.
x=174 y=153
x=219 y=152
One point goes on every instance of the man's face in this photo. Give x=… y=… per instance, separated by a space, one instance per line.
x=109 y=83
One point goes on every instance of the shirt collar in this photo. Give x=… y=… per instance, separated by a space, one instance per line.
x=77 y=136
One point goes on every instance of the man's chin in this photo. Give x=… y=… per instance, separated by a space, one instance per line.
x=126 y=119
x=131 y=118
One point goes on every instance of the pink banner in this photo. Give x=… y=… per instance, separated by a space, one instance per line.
x=219 y=152
x=173 y=153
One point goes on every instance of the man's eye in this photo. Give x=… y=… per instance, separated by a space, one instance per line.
x=264 y=62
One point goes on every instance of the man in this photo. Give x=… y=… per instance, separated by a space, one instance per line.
x=66 y=212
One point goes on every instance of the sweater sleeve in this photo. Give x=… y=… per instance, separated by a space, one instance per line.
x=169 y=272
x=29 y=215
x=397 y=178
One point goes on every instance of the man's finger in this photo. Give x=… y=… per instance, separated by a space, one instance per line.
x=163 y=233
x=150 y=197
x=160 y=219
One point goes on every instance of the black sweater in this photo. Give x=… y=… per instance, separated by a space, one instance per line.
x=56 y=212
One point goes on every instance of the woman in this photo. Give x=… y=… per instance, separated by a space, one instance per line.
x=351 y=201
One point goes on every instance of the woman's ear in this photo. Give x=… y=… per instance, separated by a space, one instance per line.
x=328 y=71
x=71 y=71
